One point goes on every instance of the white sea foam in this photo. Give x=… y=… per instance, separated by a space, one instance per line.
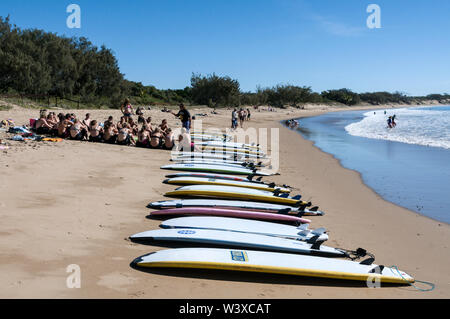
x=414 y=126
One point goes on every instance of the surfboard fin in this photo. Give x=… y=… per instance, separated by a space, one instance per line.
x=303 y=227
x=284 y=211
x=297 y=197
x=368 y=261
x=316 y=243
x=319 y=231
x=250 y=177
x=276 y=192
x=259 y=178
x=314 y=209
x=272 y=185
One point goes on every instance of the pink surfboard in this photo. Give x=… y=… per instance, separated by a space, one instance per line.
x=209 y=211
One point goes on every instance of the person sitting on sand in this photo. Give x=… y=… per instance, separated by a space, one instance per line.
x=125 y=136
x=163 y=127
x=78 y=132
x=143 y=138
x=121 y=123
x=156 y=138
x=87 y=120
x=169 y=140
x=109 y=121
x=133 y=126
x=148 y=124
x=42 y=126
x=109 y=133
x=95 y=131
x=64 y=126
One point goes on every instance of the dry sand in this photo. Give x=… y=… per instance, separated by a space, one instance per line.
x=77 y=203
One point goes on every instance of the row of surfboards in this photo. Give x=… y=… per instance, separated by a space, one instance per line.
x=223 y=202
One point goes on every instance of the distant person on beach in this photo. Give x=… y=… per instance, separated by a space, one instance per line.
x=126 y=108
x=95 y=132
x=156 y=138
x=110 y=133
x=184 y=116
x=234 y=119
x=42 y=126
x=143 y=138
x=140 y=111
x=169 y=140
x=87 y=120
x=241 y=117
x=248 y=115
x=78 y=131
x=125 y=136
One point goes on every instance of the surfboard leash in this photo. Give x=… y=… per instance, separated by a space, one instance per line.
x=432 y=286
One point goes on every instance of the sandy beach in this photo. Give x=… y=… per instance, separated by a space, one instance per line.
x=77 y=203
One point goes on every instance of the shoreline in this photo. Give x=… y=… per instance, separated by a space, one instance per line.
x=82 y=212
x=354 y=170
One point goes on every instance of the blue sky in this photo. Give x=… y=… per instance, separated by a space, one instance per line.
x=324 y=44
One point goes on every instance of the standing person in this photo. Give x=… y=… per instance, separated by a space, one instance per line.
x=126 y=108
x=241 y=117
x=248 y=114
x=184 y=116
x=393 y=121
x=389 y=122
x=234 y=119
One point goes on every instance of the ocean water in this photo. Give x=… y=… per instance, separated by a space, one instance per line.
x=408 y=165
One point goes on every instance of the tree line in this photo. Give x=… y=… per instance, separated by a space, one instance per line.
x=39 y=63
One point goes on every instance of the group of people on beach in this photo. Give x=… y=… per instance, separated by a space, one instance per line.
x=241 y=116
x=125 y=132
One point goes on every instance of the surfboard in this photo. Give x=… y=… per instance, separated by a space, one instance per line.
x=211 y=175
x=230 y=192
x=224 y=182
x=235 y=239
x=272 y=263
x=215 y=169
x=231 y=149
x=240 y=154
x=200 y=155
x=236 y=205
x=230 y=145
x=211 y=211
x=211 y=161
x=241 y=225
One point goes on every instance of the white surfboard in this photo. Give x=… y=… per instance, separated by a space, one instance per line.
x=229 y=145
x=200 y=155
x=271 y=262
x=211 y=161
x=215 y=169
x=224 y=182
x=236 y=204
x=248 y=226
x=235 y=239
